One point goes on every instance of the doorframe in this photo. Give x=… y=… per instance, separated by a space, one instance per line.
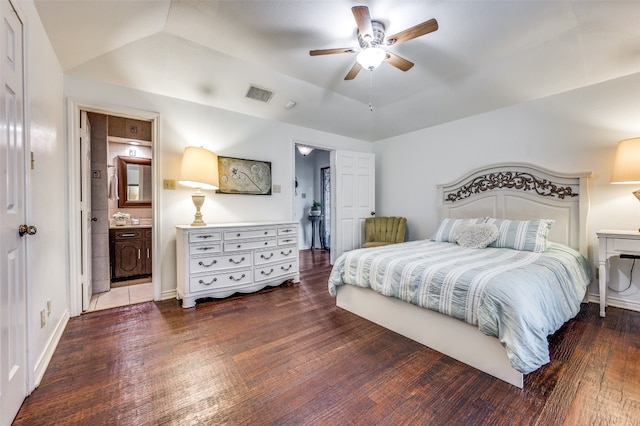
x=74 y=107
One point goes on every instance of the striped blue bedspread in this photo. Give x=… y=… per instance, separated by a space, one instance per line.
x=520 y=297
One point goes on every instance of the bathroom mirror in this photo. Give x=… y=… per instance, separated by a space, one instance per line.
x=134 y=182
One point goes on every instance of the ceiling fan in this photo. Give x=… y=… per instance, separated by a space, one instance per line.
x=371 y=38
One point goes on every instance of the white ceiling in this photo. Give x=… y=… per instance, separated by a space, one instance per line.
x=486 y=54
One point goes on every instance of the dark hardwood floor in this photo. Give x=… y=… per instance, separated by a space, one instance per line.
x=288 y=356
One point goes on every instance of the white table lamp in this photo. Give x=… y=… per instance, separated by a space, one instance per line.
x=199 y=170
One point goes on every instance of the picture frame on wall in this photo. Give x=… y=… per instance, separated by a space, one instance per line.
x=242 y=176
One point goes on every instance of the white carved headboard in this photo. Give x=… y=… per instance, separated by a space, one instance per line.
x=522 y=191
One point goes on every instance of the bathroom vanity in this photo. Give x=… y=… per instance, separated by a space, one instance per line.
x=130 y=252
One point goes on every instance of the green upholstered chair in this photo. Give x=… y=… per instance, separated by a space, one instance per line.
x=381 y=231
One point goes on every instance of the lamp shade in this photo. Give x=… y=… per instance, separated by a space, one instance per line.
x=626 y=166
x=199 y=168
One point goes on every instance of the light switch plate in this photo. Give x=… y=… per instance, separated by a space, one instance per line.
x=277 y=189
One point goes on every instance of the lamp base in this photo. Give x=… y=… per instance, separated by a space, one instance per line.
x=198 y=201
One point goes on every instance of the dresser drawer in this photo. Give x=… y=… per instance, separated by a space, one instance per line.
x=275 y=255
x=201 y=237
x=275 y=270
x=243 y=234
x=218 y=263
x=248 y=245
x=220 y=280
x=287 y=230
x=196 y=249
x=285 y=241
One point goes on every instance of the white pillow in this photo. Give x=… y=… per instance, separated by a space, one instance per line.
x=476 y=235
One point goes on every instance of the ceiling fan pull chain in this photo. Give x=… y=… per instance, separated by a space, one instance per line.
x=371 y=90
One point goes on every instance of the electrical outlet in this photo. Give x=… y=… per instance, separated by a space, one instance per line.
x=43 y=318
x=169 y=184
x=48 y=307
x=277 y=189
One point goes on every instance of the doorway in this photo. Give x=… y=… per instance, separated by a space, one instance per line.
x=79 y=282
x=312 y=176
x=121 y=211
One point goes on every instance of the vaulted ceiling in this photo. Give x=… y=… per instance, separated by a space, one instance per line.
x=486 y=54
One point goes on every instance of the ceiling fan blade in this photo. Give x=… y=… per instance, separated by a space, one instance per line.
x=361 y=14
x=331 y=51
x=413 y=32
x=353 y=72
x=398 y=62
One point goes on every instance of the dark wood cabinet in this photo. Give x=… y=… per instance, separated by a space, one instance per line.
x=130 y=253
x=129 y=128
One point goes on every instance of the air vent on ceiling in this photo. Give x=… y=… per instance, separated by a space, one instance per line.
x=259 y=94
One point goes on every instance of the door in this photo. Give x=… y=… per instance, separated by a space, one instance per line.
x=85 y=209
x=13 y=371
x=355 y=199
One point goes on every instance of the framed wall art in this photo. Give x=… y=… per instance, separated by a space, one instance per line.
x=240 y=176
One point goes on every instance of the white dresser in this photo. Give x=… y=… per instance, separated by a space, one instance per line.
x=221 y=259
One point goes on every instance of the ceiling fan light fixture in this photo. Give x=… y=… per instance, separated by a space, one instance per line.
x=371 y=57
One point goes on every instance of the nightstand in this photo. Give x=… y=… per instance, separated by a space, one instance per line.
x=614 y=243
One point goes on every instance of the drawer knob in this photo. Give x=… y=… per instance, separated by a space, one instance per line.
x=204 y=236
x=287 y=253
x=231 y=277
x=267 y=257
x=236 y=262
x=267 y=273
x=287 y=268
x=238 y=234
x=213 y=262
x=206 y=248
x=266 y=243
x=213 y=280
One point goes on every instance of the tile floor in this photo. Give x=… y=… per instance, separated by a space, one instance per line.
x=121 y=296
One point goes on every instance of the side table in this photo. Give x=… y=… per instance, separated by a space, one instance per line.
x=611 y=243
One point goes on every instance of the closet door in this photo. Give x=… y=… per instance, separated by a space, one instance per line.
x=13 y=345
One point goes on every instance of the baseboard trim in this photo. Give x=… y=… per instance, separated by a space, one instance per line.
x=52 y=343
x=616 y=302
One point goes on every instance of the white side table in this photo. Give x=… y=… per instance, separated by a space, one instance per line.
x=614 y=243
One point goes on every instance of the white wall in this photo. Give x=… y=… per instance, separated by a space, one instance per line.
x=571 y=132
x=46 y=251
x=224 y=132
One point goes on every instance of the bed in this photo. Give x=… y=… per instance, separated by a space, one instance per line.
x=463 y=318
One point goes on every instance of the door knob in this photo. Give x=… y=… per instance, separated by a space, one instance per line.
x=28 y=230
x=94 y=219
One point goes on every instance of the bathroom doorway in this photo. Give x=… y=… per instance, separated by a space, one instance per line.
x=121 y=209
x=313 y=186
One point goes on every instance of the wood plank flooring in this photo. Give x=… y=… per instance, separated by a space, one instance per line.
x=288 y=356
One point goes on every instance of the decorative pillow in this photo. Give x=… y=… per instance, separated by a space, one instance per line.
x=525 y=235
x=447 y=229
x=476 y=235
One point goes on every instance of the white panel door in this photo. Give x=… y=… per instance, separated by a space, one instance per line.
x=86 y=218
x=355 y=199
x=13 y=371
